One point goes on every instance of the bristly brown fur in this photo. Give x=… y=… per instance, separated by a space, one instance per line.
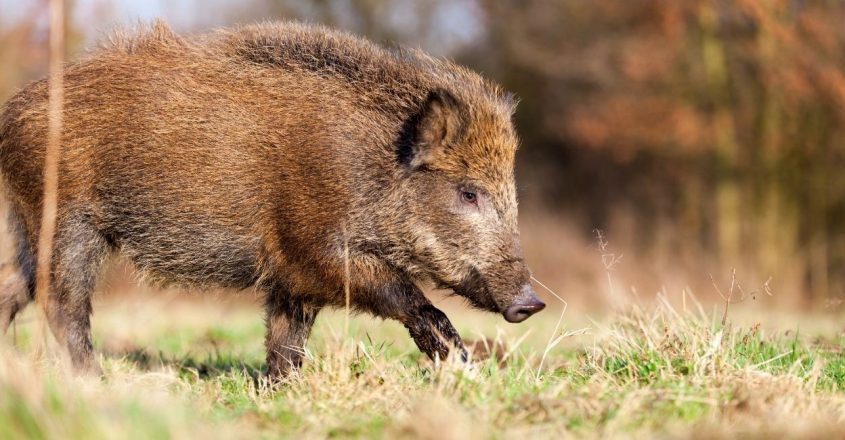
x=253 y=157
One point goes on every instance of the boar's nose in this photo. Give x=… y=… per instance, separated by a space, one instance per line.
x=525 y=305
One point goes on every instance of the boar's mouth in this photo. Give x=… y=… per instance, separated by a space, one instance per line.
x=476 y=289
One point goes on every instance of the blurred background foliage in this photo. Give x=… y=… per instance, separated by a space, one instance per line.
x=700 y=135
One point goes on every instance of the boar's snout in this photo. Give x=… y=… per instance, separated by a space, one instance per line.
x=525 y=305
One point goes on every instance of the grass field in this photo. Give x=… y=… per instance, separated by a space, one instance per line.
x=178 y=367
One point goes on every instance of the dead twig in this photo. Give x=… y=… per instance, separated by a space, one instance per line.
x=736 y=286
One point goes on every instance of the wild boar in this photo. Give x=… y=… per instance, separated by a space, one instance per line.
x=297 y=160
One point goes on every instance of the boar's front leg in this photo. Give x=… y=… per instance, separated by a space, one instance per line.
x=429 y=327
x=433 y=332
x=289 y=323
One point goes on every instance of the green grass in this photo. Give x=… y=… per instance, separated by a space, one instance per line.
x=186 y=369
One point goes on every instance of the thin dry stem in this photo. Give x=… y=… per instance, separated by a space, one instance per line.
x=735 y=285
x=609 y=261
x=346 y=281
x=555 y=338
x=55 y=107
x=51 y=161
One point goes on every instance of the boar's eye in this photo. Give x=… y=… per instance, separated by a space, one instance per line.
x=469 y=197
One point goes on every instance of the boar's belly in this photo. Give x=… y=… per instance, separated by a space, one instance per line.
x=188 y=248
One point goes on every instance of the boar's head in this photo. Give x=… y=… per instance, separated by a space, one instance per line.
x=459 y=190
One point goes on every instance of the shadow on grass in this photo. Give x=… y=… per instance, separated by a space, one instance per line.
x=189 y=365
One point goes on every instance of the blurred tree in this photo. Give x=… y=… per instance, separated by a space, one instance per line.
x=440 y=26
x=723 y=116
x=714 y=125
x=18 y=62
x=24 y=44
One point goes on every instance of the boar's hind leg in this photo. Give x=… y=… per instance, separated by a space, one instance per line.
x=288 y=326
x=14 y=295
x=17 y=279
x=429 y=327
x=79 y=254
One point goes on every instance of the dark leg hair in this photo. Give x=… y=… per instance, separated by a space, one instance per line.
x=433 y=333
x=78 y=257
x=289 y=323
x=429 y=327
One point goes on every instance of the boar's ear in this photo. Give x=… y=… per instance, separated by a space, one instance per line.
x=427 y=133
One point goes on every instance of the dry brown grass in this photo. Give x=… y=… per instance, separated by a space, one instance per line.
x=183 y=367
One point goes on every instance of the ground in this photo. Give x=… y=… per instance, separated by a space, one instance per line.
x=189 y=366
